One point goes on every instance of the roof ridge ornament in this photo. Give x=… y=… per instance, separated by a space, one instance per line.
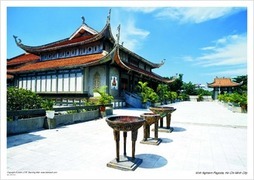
x=108 y=17
x=118 y=34
x=83 y=20
x=163 y=61
x=17 y=41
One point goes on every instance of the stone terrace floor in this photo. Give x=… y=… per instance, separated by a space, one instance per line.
x=208 y=141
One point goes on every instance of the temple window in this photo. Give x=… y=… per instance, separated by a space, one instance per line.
x=61 y=54
x=142 y=65
x=133 y=62
x=73 y=52
x=67 y=53
x=89 y=49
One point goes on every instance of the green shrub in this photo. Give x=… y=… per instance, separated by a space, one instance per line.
x=47 y=104
x=146 y=93
x=235 y=98
x=19 y=99
x=184 y=97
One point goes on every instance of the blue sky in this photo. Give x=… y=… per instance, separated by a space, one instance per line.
x=198 y=42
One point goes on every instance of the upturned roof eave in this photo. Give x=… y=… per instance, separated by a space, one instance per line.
x=105 y=32
x=153 y=65
x=212 y=85
x=118 y=60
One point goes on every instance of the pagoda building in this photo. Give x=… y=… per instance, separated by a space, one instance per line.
x=71 y=68
x=223 y=85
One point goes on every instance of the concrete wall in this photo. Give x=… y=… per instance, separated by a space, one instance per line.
x=205 y=98
x=25 y=125
x=38 y=123
x=76 y=117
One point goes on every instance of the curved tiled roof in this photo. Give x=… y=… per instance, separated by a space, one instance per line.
x=138 y=70
x=64 y=63
x=22 y=59
x=9 y=76
x=67 y=42
x=223 y=82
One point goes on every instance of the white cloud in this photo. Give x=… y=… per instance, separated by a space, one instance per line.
x=208 y=48
x=227 y=56
x=132 y=30
x=229 y=50
x=196 y=14
x=142 y=9
x=229 y=72
x=187 y=58
x=130 y=34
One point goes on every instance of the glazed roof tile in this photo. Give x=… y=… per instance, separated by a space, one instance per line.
x=67 y=41
x=59 y=63
x=22 y=59
x=9 y=76
x=223 y=82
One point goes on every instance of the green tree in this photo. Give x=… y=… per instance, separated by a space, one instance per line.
x=162 y=91
x=244 y=80
x=189 y=88
x=176 y=85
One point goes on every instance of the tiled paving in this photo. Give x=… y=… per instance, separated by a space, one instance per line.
x=207 y=139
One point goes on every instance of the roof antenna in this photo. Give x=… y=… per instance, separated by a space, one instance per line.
x=83 y=19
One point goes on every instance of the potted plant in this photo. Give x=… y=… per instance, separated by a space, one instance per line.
x=143 y=92
x=103 y=99
x=47 y=104
x=200 y=97
x=154 y=98
x=162 y=91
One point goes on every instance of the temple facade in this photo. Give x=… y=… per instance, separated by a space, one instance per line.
x=71 y=68
x=223 y=85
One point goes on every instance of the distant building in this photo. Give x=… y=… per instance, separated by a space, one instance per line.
x=223 y=85
x=71 y=68
x=201 y=86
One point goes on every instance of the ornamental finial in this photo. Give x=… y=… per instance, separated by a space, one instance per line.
x=83 y=19
x=108 y=17
x=17 y=41
x=118 y=34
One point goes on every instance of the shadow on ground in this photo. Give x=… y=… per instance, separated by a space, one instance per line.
x=152 y=161
x=166 y=140
x=22 y=139
x=179 y=129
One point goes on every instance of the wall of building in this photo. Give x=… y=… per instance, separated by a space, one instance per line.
x=114 y=81
x=97 y=78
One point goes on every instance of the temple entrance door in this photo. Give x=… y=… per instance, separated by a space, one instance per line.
x=124 y=84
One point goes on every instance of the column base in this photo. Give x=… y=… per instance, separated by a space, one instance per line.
x=125 y=163
x=151 y=141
